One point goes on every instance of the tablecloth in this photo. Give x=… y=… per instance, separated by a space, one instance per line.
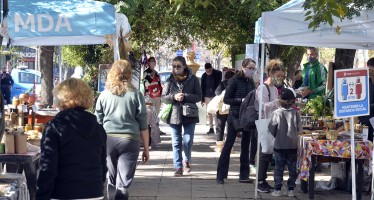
x=333 y=148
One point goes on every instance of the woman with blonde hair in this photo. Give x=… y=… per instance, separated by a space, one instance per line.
x=122 y=111
x=73 y=147
x=270 y=102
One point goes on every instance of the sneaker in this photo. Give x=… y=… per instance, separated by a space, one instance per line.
x=290 y=193
x=179 y=172
x=263 y=187
x=269 y=186
x=276 y=193
x=248 y=180
x=211 y=130
x=186 y=167
x=220 y=181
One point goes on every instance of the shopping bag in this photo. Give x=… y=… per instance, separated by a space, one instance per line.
x=212 y=106
x=165 y=112
x=265 y=137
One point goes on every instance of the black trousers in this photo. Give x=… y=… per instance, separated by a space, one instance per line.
x=220 y=127
x=224 y=159
x=263 y=165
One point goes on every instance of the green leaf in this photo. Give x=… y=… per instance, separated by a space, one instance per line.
x=335 y=13
x=308 y=18
x=328 y=18
x=312 y=25
x=308 y=13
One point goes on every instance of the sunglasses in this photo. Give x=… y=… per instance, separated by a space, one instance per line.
x=177 y=66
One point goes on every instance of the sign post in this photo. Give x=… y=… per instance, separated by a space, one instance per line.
x=351 y=94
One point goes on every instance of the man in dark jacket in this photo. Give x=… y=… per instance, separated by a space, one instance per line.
x=6 y=85
x=365 y=119
x=209 y=83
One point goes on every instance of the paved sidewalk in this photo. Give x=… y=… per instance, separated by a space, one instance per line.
x=155 y=180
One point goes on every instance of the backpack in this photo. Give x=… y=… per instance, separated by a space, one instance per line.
x=248 y=113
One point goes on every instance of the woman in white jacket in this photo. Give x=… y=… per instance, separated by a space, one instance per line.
x=270 y=103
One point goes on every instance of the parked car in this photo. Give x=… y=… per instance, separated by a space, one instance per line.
x=24 y=80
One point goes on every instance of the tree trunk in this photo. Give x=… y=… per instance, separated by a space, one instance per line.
x=344 y=58
x=46 y=68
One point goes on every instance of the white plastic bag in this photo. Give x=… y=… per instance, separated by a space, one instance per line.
x=212 y=106
x=223 y=108
x=265 y=137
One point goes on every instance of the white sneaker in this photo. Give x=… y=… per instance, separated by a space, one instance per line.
x=276 y=193
x=290 y=193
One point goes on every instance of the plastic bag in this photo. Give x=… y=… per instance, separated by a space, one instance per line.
x=266 y=138
x=165 y=112
x=327 y=185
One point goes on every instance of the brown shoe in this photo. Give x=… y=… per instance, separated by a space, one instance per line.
x=178 y=173
x=186 y=167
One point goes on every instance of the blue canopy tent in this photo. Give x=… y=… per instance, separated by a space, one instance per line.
x=62 y=22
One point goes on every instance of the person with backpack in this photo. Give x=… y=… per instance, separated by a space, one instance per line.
x=269 y=104
x=285 y=126
x=238 y=88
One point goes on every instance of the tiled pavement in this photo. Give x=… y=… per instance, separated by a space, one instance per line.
x=155 y=180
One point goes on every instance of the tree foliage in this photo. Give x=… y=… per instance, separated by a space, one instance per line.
x=323 y=11
x=229 y=23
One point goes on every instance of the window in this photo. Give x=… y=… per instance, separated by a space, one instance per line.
x=29 y=78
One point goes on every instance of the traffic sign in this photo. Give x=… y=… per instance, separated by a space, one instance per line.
x=351 y=92
x=179 y=52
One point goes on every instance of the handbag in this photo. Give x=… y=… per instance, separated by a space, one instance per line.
x=165 y=112
x=236 y=121
x=265 y=137
x=190 y=110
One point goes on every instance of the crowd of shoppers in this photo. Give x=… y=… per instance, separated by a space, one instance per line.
x=79 y=148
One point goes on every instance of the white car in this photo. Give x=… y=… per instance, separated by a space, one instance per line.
x=24 y=80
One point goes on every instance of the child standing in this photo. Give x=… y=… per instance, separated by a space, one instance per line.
x=285 y=126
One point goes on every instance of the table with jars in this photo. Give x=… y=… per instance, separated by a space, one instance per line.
x=329 y=141
x=19 y=148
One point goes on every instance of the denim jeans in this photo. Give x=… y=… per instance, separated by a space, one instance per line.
x=224 y=159
x=176 y=139
x=283 y=157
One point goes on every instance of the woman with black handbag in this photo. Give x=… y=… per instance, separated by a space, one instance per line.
x=238 y=88
x=182 y=90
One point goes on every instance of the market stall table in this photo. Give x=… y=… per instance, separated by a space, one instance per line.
x=28 y=161
x=318 y=151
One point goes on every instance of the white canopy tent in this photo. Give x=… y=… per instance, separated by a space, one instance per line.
x=286 y=26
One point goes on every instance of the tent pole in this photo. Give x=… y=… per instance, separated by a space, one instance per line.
x=115 y=48
x=59 y=64
x=353 y=160
x=260 y=112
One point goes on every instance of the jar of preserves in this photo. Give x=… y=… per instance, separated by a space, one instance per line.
x=38 y=127
x=28 y=127
x=15 y=101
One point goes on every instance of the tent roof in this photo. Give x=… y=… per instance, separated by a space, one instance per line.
x=286 y=26
x=59 y=22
